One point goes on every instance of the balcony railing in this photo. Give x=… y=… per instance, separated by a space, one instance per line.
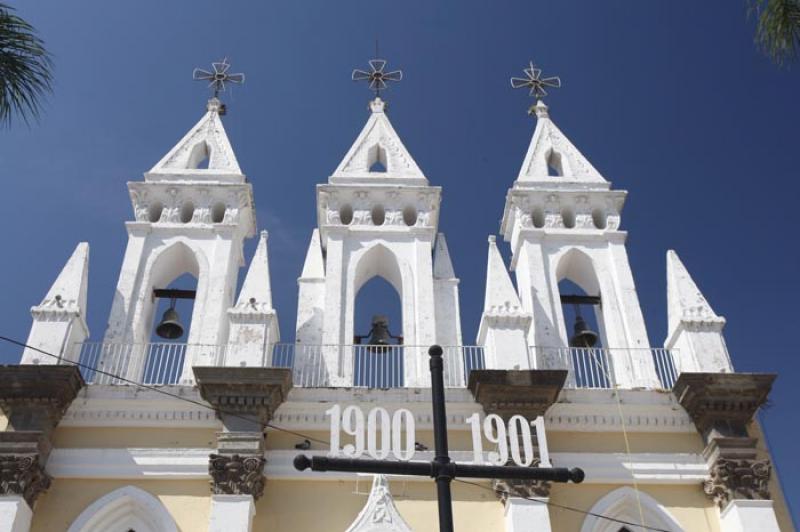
x=593 y=367
x=366 y=366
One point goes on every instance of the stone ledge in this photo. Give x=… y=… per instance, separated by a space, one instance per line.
x=525 y=392
x=725 y=402
x=35 y=397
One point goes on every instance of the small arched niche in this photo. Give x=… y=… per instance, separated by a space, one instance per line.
x=410 y=216
x=218 y=212
x=378 y=214
x=376 y=159
x=154 y=212
x=187 y=212
x=555 y=167
x=568 y=217
x=537 y=217
x=199 y=157
x=346 y=214
x=599 y=218
x=127 y=508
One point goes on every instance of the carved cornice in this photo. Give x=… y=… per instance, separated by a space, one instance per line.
x=507 y=392
x=722 y=399
x=35 y=397
x=244 y=391
x=237 y=474
x=738 y=479
x=23 y=475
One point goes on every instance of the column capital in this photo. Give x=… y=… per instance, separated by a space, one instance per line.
x=237 y=474
x=23 y=475
x=742 y=478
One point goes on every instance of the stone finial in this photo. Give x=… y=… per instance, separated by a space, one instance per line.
x=540 y=110
x=377 y=106
x=68 y=294
x=237 y=474
x=23 y=475
x=685 y=302
x=738 y=479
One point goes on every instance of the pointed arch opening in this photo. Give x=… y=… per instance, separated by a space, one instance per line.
x=378 y=353
x=376 y=159
x=199 y=157
x=177 y=268
x=625 y=504
x=582 y=325
x=127 y=508
x=555 y=167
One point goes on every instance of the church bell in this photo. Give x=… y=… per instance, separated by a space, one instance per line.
x=170 y=326
x=583 y=336
x=379 y=334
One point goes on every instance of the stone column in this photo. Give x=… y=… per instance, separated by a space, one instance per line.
x=34 y=398
x=721 y=406
x=528 y=393
x=525 y=503
x=245 y=399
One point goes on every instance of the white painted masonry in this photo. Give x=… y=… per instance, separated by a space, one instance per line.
x=59 y=321
x=15 y=514
x=749 y=516
x=523 y=515
x=562 y=221
x=231 y=513
x=694 y=329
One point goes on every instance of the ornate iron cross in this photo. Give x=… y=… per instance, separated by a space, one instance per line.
x=377 y=76
x=217 y=78
x=535 y=82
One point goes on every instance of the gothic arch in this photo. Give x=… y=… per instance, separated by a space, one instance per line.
x=163 y=266
x=623 y=504
x=201 y=151
x=126 y=508
x=578 y=267
x=378 y=260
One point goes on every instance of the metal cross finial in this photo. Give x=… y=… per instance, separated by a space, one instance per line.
x=535 y=82
x=218 y=78
x=377 y=77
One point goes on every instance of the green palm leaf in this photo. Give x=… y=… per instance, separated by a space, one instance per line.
x=778 y=29
x=25 y=68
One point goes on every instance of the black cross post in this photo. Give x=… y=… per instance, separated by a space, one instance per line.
x=441 y=468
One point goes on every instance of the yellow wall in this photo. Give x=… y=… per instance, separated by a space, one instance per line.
x=187 y=501
x=117 y=437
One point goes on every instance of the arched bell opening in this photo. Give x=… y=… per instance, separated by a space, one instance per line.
x=377 y=321
x=582 y=328
x=164 y=331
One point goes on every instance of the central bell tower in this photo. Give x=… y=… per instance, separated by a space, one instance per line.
x=378 y=216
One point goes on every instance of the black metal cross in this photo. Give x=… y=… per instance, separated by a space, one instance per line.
x=217 y=78
x=441 y=468
x=534 y=81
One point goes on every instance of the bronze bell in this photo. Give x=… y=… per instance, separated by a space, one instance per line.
x=379 y=334
x=170 y=326
x=584 y=336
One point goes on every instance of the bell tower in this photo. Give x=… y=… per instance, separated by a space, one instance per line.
x=377 y=216
x=192 y=213
x=562 y=220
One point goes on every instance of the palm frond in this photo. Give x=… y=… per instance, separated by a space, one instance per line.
x=25 y=68
x=778 y=28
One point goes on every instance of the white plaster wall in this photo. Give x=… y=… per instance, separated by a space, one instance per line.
x=699 y=348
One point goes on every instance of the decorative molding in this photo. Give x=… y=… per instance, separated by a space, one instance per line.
x=237 y=474
x=379 y=513
x=23 y=475
x=738 y=479
x=180 y=463
x=527 y=489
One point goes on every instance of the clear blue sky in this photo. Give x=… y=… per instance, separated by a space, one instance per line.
x=669 y=100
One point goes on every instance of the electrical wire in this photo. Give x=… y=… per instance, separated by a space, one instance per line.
x=301 y=435
x=158 y=390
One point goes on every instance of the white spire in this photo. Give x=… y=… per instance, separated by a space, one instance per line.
x=314 y=266
x=378 y=142
x=69 y=291
x=207 y=139
x=550 y=148
x=256 y=289
x=501 y=297
x=379 y=513
x=685 y=302
x=442 y=264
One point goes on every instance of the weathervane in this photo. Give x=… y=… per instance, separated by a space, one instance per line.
x=535 y=82
x=377 y=77
x=218 y=78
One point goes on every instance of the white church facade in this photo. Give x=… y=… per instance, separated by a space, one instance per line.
x=199 y=432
